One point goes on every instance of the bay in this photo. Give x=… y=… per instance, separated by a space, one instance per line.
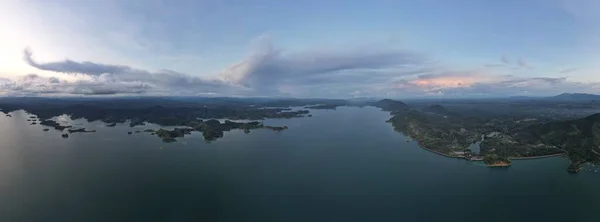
x=339 y=165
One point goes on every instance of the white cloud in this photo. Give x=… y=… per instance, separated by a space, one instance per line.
x=113 y=79
x=486 y=83
x=505 y=59
x=267 y=67
x=272 y=71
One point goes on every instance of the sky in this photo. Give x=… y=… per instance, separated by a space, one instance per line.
x=301 y=48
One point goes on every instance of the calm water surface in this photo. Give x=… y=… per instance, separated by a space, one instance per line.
x=343 y=165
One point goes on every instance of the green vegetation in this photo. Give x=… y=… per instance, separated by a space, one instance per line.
x=165 y=112
x=390 y=105
x=580 y=138
x=574 y=168
x=513 y=128
x=324 y=106
x=504 y=136
x=52 y=123
x=80 y=130
x=141 y=111
x=211 y=129
x=494 y=160
x=170 y=135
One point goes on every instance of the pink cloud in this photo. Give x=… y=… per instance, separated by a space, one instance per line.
x=446 y=80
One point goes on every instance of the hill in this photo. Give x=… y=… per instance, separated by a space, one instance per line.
x=580 y=138
x=440 y=110
x=575 y=97
x=391 y=105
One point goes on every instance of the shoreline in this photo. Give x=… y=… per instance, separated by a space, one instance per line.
x=536 y=157
x=437 y=152
x=510 y=158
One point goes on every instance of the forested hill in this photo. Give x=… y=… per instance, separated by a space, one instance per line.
x=580 y=137
x=390 y=105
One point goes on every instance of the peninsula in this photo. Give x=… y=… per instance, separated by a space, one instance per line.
x=502 y=137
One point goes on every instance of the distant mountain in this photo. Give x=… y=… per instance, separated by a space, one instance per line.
x=575 y=96
x=438 y=109
x=523 y=98
x=390 y=105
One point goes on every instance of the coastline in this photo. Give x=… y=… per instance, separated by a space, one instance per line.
x=510 y=158
x=536 y=157
x=437 y=152
x=499 y=164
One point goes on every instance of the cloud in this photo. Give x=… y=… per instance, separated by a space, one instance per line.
x=113 y=79
x=33 y=84
x=507 y=65
x=485 y=83
x=567 y=71
x=371 y=70
x=494 y=65
x=526 y=86
x=522 y=63
x=504 y=59
x=267 y=66
x=444 y=80
x=71 y=67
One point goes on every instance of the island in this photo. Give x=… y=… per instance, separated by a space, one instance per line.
x=163 y=112
x=136 y=122
x=324 y=106
x=52 y=123
x=276 y=128
x=160 y=111
x=211 y=129
x=80 y=130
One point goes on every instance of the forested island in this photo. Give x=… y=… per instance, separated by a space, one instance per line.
x=211 y=129
x=189 y=115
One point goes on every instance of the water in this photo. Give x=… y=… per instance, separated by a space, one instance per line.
x=342 y=165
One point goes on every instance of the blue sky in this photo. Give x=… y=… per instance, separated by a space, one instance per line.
x=342 y=49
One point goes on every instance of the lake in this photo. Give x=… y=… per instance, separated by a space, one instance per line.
x=339 y=165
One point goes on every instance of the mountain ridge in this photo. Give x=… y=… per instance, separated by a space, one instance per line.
x=575 y=96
